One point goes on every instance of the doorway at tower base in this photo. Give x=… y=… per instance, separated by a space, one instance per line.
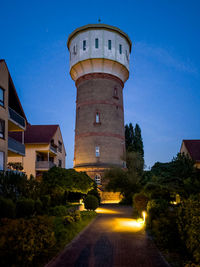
x=110 y=197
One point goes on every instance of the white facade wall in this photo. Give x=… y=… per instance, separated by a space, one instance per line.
x=77 y=54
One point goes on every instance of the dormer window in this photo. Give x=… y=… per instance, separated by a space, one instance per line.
x=109 y=45
x=96 y=43
x=97 y=151
x=84 y=45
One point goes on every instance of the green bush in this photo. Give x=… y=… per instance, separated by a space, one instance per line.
x=25 y=207
x=165 y=230
x=189 y=226
x=23 y=241
x=91 y=202
x=58 y=211
x=140 y=201
x=46 y=201
x=68 y=219
x=38 y=207
x=7 y=208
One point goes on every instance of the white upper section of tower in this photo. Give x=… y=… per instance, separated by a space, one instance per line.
x=99 y=48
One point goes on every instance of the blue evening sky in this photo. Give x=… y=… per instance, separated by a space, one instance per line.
x=163 y=91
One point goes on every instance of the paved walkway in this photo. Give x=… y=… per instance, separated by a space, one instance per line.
x=113 y=239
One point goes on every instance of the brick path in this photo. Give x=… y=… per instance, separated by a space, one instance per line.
x=113 y=239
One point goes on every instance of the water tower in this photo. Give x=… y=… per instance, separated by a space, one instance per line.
x=99 y=65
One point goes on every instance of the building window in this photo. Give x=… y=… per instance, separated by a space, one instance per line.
x=60 y=163
x=59 y=146
x=97 y=179
x=97 y=120
x=1 y=97
x=115 y=91
x=75 y=49
x=120 y=49
x=84 y=45
x=2 y=128
x=97 y=151
x=109 y=44
x=1 y=161
x=96 y=43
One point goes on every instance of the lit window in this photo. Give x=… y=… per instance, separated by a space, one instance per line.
x=96 y=43
x=97 y=150
x=97 y=117
x=97 y=179
x=120 y=48
x=1 y=97
x=1 y=161
x=2 y=128
x=84 y=45
x=109 y=44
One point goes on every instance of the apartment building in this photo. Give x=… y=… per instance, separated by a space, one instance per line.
x=44 y=149
x=12 y=119
x=192 y=149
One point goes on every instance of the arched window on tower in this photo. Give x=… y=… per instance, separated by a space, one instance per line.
x=115 y=93
x=98 y=179
x=97 y=151
x=97 y=119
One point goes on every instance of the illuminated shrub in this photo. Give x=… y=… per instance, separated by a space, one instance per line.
x=91 y=202
x=25 y=207
x=7 y=208
x=189 y=226
x=58 y=211
x=76 y=215
x=22 y=241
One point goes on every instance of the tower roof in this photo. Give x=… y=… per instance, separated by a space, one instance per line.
x=98 y=26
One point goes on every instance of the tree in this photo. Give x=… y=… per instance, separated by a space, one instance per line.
x=133 y=139
x=137 y=142
x=59 y=180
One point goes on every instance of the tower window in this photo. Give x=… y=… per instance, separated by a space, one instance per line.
x=115 y=91
x=97 y=179
x=84 y=45
x=60 y=163
x=75 y=49
x=97 y=118
x=97 y=151
x=96 y=43
x=109 y=44
x=127 y=55
x=120 y=48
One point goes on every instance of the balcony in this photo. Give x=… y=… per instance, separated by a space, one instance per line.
x=15 y=147
x=16 y=121
x=44 y=165
x=53 y=149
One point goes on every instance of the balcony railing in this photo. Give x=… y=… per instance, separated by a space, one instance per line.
x=16 y=146
x=14 y=116
x=53 y=149
x=44 y=165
